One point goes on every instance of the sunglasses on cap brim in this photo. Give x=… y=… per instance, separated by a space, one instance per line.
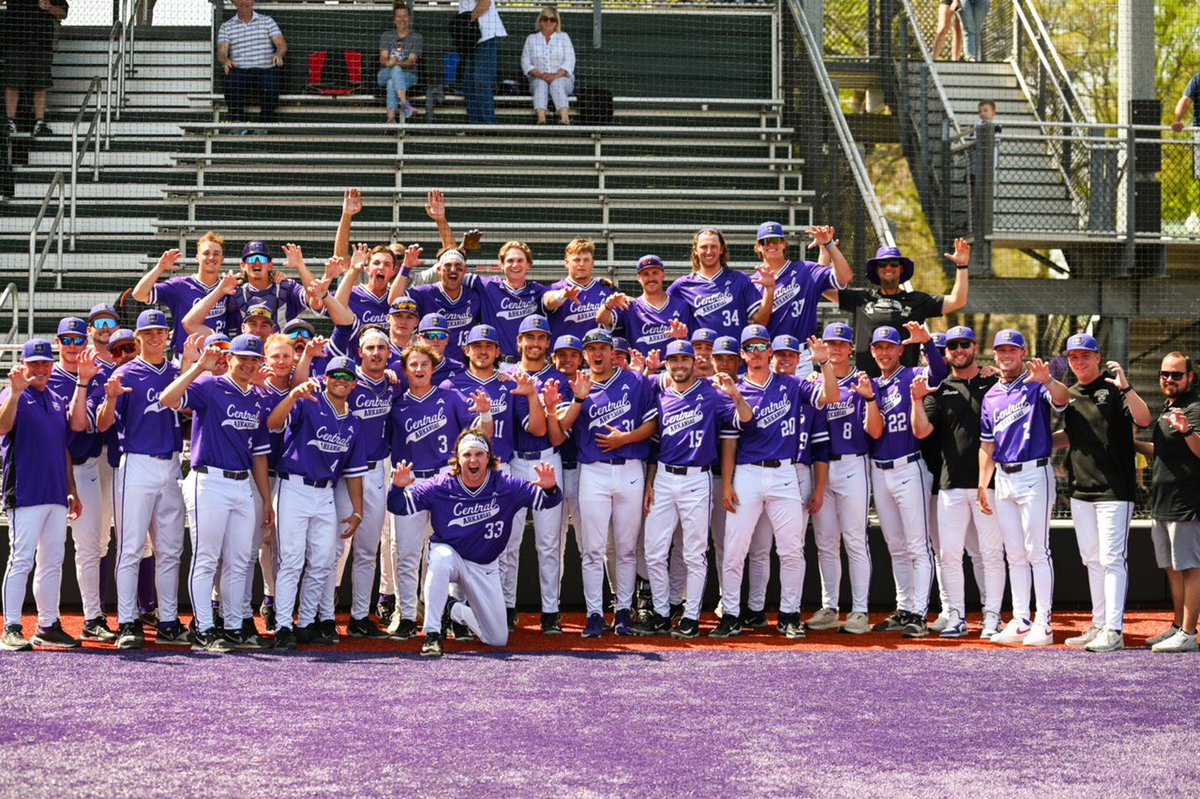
x=757 y=346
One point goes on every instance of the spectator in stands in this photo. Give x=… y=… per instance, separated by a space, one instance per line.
x=483 y=61
x=948 y=21
x=28 y=53
x=971 y=15
x=251 y=48
x=549 y=60
x=1190 y=101
x=399 y=51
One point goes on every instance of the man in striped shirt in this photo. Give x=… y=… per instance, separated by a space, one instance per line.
x=250 y=47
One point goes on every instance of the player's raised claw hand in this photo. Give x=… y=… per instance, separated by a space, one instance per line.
x=412 y=256
x=820 y=235
x=917 y=334
x=764 y=276
x=725 y=384
x=961 y=255
x=169 y=261
x=545 y=475
x=525 y=386
x=571 y=293
x=619 y=301
x=212 y=357
x=261 y=376
x=481 y=402
x=1119 y=378
x=678 y=330
x=819 y=350
x=920 y=388
x=862 y=386
x=335 y=267
x=359 y=255
x=352 y=524
x=88 y=366
x=305 y=391
x=653 y=362
x=402 y=475
x=613 y=440
x=229 y=284
x=988 y=371
x=582 y=384
x=74 y=507
x=18 y=378
x=648 y=500
x=1039 y=371
x=352 y=202
x=319 y=289
x=729 y=499
x=112 y=389
x=637 y=361
x=315 y=348
x=1179 y=421
x=435 y=206
x=293 y=256
x=550 y=395
x=981 y=500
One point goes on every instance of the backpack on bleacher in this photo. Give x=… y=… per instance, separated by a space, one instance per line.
x=336 y=73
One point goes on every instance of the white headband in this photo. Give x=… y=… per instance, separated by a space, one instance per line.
x=372 y=333
x=474 y=442
x=452 y=255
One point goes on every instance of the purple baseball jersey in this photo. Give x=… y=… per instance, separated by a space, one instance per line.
x=690 y=423
x=798 y=289
x=144 y=425
x=772 y=434
x=624 y=402
x=722 y=303
x=894 y=397
x=476 y=524
x=34 y=452
x=461 y=314
x=367 y=308
x=446 y=370
x=424 y=429
x=80 y=445
x=271 y=397
x=179 y=295
x=321 y=444
x=649 y=328
x=287 y=296
x=228 y=424
x=371 y=401
x=812 y=436
x=523 y=440
x=504 y=308
x=95 y=398
x=502 y=409
x=576 y=319
x=1016 y=417
x=847 y=420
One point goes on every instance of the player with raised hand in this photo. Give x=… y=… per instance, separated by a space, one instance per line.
x=654 y=319
x=368 y=303
x=472 y=509
x=179 y=294
x=1015 y=446
x=451 y=299
x=424 y=422
x=720 y=297
x=229 y=452
x=146 y=484
x=40 y=496
x=572 y=304
x=612 y=417
x=854 y=419
x=900 y=479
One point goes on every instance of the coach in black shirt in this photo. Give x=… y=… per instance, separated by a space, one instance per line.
x=950 y=414
x=1098 y=428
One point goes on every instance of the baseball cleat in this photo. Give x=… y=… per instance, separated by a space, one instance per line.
x=328 y=633
x=823 y=619
x=939 y=624
x=308 y=634
x=173 y=634
x=268 y=615
x=1013 y=633
x=916 y=627
x=405 y=630
x=1084 y=638
x=1164 y=635
x=654 y=625
x=149 y=618
x=239 y=639
x=729 y=626
x=754 y=619
x=128 y=638
x=512 y=619
x=14 y=641
x=461 y=631
x=893 y=623
x=955 y=626
x=595 y=626
x=97 y=629
x=676 y=613
x=285 y=639
x=1039 y=634
x=991 y=625
x=54 y=637
x=790 y=626
x=432 y=648
x=551 y=624
x=686 y=629
x=211 y=641
x=385 y=608
x=856 y=624
x=1106 y=641
x=364 y=628
x=1179 y=642
x=623 y=622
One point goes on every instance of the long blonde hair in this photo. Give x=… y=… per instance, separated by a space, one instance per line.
x=543 y=14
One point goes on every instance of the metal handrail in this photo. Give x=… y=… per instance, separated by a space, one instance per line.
x=1048 y=54
x=10 y=295
x=92 y=136
x=116 y=59
x=57 y=188
x=934 y=78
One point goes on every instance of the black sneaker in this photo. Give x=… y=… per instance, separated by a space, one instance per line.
x=97 y=629
x=676 y=613
x=246 y=638
x=268 y=615
x=329 y=633
x=218 y=620
x=654 y=625
x=686 y=628
x=462 y=632
x=754 y=619
x=173 y=634
x=432 y=648
x=790 y=626
x=916 y=627
x=212 y=641
x=512 y=619
x=406 y=630
x=127 y=637
x=551 y=624
x=12 y=131
x=451 y=628
x=13 y=640
x=728 y=627
x=40 y=128
x=364 y=628
x=54 y=637
x=893 y=623
x=149 y=618
x=385 y=609
x=285 y=639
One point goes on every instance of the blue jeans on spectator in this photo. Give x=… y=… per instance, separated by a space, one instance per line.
x=481 y=81
x=973 y=13
x=242 y=84
x=396 y=80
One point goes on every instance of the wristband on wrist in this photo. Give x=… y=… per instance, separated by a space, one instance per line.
x=356 y=515
x=486 y=416
x=1127 y=389
x=578 y=399
x=829 y=245
x=963 y=266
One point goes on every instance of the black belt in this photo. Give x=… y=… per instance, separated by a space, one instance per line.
x=79 y=461
x=1013 y=468
x=423 y=473
x=847 y=455
x=372 y=464
x=536 y=455
x=228 y=475
x=614 y=462
x=669 y=469
x=307 y=481
x=892 y=464
x=570 y=465
x=770 y=464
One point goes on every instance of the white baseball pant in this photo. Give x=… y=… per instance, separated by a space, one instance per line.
x=716 y=527
x=221 y=518
x=148 y=497
x=261 y=549
x=902 y=502
x=956 y=510
x=387 y=554
x=409 y=533
x=758 y=563
x=775 y=492
x=681 y=501
x=609 y=492
x=1024 y=500
x=365 y=542
x=37 y=540
x=548 y=539
x=480 y=584
x=1102 y=530
x=91 y=533
x=306 y=530
x=843 y=520
x=677 y=574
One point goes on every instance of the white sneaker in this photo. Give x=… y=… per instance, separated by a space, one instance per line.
x=939 y=624
x=857 y=624
x=991 y=625
x=1107 y=641
x=823 y=619
x=1039 y=635
x=1164 y=635
x=1084 y=638
x=1179 y=642
x=1013 y=633
x=954 y=627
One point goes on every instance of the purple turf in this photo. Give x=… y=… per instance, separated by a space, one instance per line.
x=917 y=723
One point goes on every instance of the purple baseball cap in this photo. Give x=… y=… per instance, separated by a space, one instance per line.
x=216 y=339
x=72 y=326
x=886 y=335
x=786 y=343
x=103 y=309
x=726 y=345
x=483 y=333
x=598 y=335
x=680 y=347
x=704 y=334
x=1008 y=338
x=255 y=248
x=37 y=349
x=770 y=230
x=649 y=262
x=838 y=331
x=1082 y=341
x=568 y=343
x=960 y=333
x=620 y=344
x=534 y=323
x=119 y=335
x=939 y=340
x=433 y=321
x=299 y=324
x=152 y=319
x=246 y=346
x=754 y=332
x=339 y=363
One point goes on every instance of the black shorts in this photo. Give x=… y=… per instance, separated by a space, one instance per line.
x=28 y=67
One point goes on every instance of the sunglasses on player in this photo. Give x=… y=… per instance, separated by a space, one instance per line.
x=959 y=345
x=104 y=323
x=1173 y=376
x=255 y=260
x=773 y=241
x=340 y=375
x=72 y=341
x=123 y=349
x=435 y=335
x=301 y=333
x=758 y=346
x=223 y=346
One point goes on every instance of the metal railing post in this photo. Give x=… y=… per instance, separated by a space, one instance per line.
x=1130 y=255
